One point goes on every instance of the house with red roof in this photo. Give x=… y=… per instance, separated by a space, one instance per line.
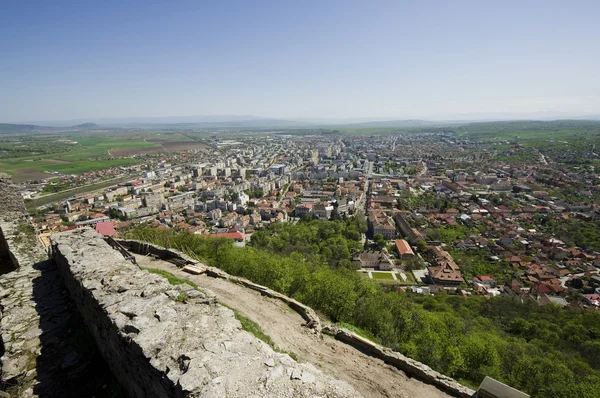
x=592 y=299
x=237 y=237
x=404 y=249
x=106 y=228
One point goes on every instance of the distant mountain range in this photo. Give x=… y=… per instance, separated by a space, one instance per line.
x=242 y=122
x=11 y=128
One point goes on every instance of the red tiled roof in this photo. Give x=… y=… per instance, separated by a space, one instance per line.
x=403 y=247
x=106 y=228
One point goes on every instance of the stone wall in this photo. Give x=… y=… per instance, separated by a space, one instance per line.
x=8 y=261
x=10 y=197
x=19 y=320
x=12 y=215
x=411 y=367
x=165 y=340
x=45 y=349
x=145 y=249
x=307 y=313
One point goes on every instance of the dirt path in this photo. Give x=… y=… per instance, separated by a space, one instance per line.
x=370 y=376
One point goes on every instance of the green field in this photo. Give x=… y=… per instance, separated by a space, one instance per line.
x=90 y=153
x=387 y=276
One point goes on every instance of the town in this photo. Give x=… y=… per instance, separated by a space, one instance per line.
x=443 y=213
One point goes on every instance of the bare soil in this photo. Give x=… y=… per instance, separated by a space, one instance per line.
x=166 y=146
x=26 y=174
x=57 y=161
x=183 y=145
x=118 y=152
x=370 y=376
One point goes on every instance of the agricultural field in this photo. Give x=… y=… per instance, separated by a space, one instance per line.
x=182 y=146
x=36 y=157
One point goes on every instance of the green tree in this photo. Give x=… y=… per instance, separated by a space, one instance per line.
x=379 y=241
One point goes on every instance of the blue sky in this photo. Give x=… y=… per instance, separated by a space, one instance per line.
x=90 y=60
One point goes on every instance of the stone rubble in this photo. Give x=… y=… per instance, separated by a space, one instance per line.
x=169 y=340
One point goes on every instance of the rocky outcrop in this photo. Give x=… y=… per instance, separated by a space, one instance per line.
x=165 y=340
x=409 y=366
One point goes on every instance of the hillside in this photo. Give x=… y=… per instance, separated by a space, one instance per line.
x=9 y=128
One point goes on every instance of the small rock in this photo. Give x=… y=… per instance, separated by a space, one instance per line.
x=273 y=375
x=165 y=314
x=296 y=374
x=194 y=293
x=270 y=362
x=307 y=377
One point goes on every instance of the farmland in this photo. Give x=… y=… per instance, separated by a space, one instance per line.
x=36 y=157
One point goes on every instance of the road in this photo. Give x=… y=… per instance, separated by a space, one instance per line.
x=67 y=193
x=370 y=376
x=541 y=157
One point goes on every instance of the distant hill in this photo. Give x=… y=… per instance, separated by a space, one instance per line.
x=8 y=128
x=254 y=123
x=11 y=128
x=86 y=126
x=489 y=129
x=393 y=123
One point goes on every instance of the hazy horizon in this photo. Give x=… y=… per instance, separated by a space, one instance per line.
x=342 y=60
x=110 y=121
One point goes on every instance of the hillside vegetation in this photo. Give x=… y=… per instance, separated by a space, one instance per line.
x=544 y=351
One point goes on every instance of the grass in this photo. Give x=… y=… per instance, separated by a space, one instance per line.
x=410 y=279
x=80 y=158
x=173 y=280
x=182 y=297
x=382 y=275
x=362 y=333
x=252 y=327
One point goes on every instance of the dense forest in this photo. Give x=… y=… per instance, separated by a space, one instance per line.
x=545 y=351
